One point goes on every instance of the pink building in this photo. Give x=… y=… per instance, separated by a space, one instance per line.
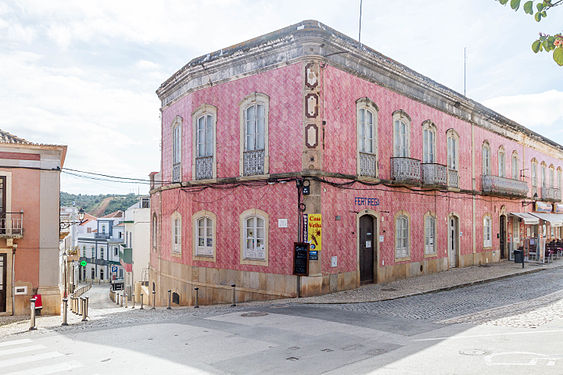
x=305 y=135
x=29 y=224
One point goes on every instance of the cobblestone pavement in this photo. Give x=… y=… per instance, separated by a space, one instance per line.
x=526 y=301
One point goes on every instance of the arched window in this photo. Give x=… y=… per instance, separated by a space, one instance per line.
x=486 y=158
x=177 y=149
x=401 y=134
x=453 y=149
x=534 y=177
x=551 y=176
x=501 y=162
x=176 y=221
x=204 y=144
x=487 y=231
x=254 y=237
x=367 y=137
x=254 y=135
x=204 y=235
x=514 y=165
x=402 y=234
x=428 y=142
x=543 y=175
x=429 y=234
x=558 y=181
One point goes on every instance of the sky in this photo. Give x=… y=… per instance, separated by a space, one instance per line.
x=84 y=73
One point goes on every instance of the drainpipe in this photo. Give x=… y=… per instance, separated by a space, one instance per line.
x=14 y=247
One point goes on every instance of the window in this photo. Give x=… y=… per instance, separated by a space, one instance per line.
x=487 y=232
x=428 y=142
x=254 y=237
x=501 y=164
x=103 y=229
x=429 y=234
x=93 y=274
x=516 y=231
x=453 y=150
x=551 y=176
x=176 y=149
x=401 y=134
x=115 y=251
x=204 y=233
x=154 y=231
x=401 y=236
x=84 y=251
x=534 y=171
x=93 y=252
x=101 y=273
x=543 y=177
x=486 y=159
x=367 y=137
x=514 y=165
x=204 y=120
x=558 y=181
x=254 y=135
x=176 y=233
x=102 y=251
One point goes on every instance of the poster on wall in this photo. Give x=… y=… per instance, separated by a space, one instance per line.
x=542 y=207
x=314 y=229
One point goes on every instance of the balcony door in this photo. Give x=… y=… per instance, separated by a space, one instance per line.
x=453 y=241
x=3 y=283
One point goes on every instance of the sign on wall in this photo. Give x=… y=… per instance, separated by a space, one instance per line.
x=558 y=208
x=542 y=207
x=314 y=230
x=363 y=201
x=301 y=258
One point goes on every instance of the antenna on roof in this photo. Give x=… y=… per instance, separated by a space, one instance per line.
x=360 y=25
x=464 y=71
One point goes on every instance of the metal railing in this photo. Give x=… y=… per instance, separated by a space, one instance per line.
x=405 y=170
x=253 y=162
x=177 y=172
x=204 y=168
x=453 y=178
x=550 y=193
x=368 y=164
x=11 y=224
x=504 y=186
x=434 y=174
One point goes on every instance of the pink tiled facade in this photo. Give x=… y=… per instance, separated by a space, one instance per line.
x=230 y=194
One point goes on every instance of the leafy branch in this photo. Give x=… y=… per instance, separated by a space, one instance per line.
x=545 y=42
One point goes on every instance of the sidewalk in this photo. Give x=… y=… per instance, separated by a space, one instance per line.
x=453 y=278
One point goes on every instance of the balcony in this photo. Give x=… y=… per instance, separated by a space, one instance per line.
x=177 y=172
x=126 y=255
x=204 y=168
x=434 y=174
x=253 y=162
x=103 y=236
x=453 y=178
x=405 y=170
x=368 y=163
x=11 y=224
x=496 y=185
x=550 y=194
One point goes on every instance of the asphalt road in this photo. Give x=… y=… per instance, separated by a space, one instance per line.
x=509 y=326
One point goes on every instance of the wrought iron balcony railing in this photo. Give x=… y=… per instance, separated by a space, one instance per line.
x=434 y=174
x=453 y=178
x=253 y=162
x=11 y=224
x=204 y=168
x=550 y=194
x=405 y=170
x=177 y=173
x=368 y=164
x=504 y=186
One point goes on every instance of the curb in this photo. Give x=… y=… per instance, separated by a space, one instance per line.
x=441 y=289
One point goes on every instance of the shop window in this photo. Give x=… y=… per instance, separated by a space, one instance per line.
x=401 y=134
x=429 y=234
x=254 y=237
x=402 y=248
x=428 y=142
x=487 y=232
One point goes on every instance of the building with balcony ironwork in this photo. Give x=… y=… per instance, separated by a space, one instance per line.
x=304 y=134
x=29 y=224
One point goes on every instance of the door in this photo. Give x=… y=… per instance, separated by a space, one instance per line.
x=453 y=241
x=502 y=237
x=3 y=282
x=367 y=249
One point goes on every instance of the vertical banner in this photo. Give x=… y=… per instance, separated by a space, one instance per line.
x=305 y=228
x=315 y=232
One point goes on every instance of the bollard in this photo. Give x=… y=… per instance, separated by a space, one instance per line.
x=125 y=299
x=169 y=297
x=154 y=299
x=65 y=320
x=83 y=308
x=87 y=304
x=133 y=299
x=78 y=305
x=116 y=298
x=196 y=298
x=121 y=304
x=141 y=308
x=234 y=296
x=32 y=320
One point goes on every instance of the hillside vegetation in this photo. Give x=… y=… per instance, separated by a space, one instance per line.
x=101 y=204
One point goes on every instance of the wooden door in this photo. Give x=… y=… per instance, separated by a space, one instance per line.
x=367 y=249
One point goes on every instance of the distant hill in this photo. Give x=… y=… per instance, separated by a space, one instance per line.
x=101 y=204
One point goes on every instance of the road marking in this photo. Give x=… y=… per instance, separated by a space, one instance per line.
x=14 y=342
x=21 y=350
x=51 y=369
x=521 y=359
x=29 y=358
x=489 y=335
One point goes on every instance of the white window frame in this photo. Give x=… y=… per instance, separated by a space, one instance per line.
x=402 y=235
x=176 y=138
x=205 y=252
x=486 y=156
x=428 y=142
x=487 y=231
x=543 y=175
x=453 y=150
x=514 y=166
x=551 y=176
x=365 y=144
x=204 y=111
x=534 y=172
x=154 y=231
x=246 y=255
x=176 y=234
x=501 y=162
x=429 y=234
x=253 y=100
x=401 y=134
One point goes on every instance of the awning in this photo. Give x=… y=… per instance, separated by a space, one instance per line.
x=527 y=218
x=555 y=220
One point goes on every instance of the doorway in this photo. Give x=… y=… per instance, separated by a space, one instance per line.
x=453 y=241
x=3 y=282
x=502 y=236
x=367 y=249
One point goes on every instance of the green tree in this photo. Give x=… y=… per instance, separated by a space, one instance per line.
x=546 y=42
